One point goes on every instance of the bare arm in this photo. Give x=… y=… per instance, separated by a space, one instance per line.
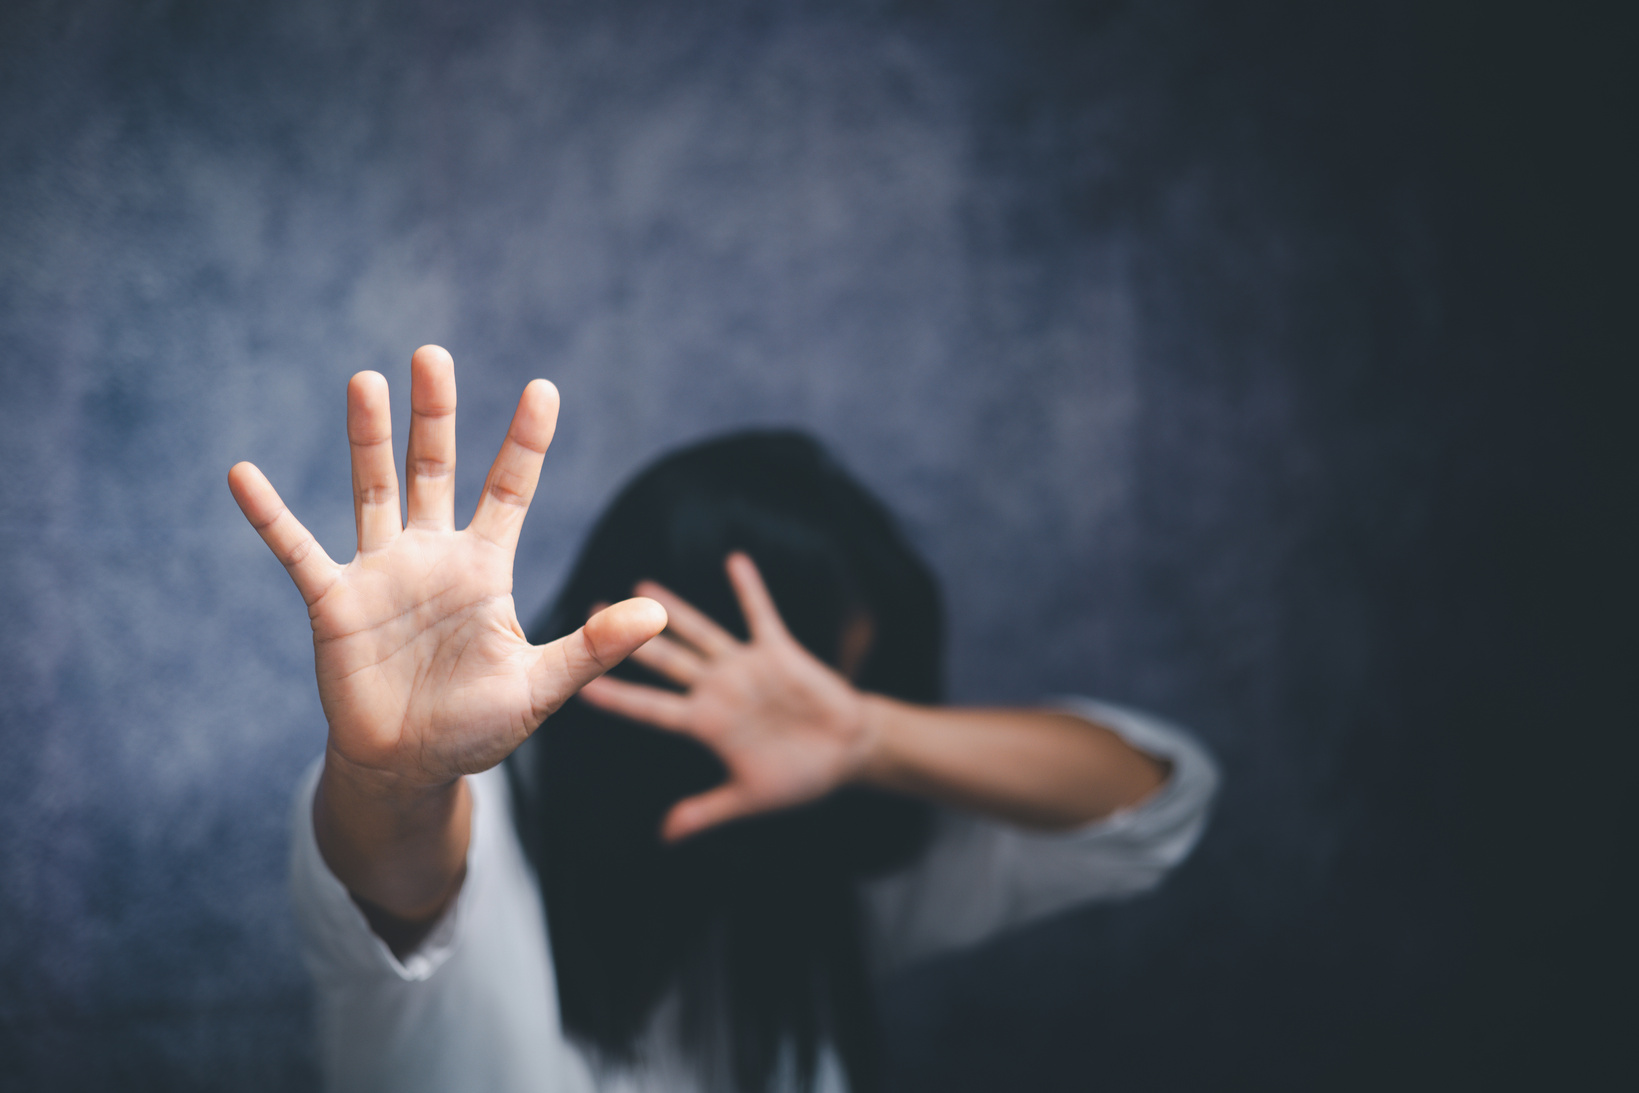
x=1035 y=768
x=400 y=850
x=423 y=670
x=791 y=729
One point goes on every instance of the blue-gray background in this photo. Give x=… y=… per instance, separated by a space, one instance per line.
x=1156 y=326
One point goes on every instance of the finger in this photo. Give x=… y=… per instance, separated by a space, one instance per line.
x=672 y=659
x=650 y=705
x=430 y=464
x=762 y=617
x=693 y=815
x=565 y=666
x=304 y=559
x=375 y=481
x=516 y=470
x=688 y=621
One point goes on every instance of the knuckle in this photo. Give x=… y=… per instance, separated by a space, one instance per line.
x=376 y=494
x=297 y=553
x=510 y=488
x=525 y=441
x=600 y=658
x=428 y=467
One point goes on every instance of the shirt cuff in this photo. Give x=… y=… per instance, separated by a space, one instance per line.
x=1169 y=821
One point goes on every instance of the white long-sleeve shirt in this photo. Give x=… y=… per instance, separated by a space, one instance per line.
x=475 y=1005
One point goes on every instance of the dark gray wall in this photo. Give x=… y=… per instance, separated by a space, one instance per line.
x=1143 y=319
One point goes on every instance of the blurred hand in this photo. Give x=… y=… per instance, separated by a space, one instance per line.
x=789 y=728
x=423 y=670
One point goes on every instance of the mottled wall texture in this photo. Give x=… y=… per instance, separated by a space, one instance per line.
x=1162 y=326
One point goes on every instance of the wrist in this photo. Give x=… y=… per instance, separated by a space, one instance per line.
x=879 y=717
x=398 y=845
x=383 y=788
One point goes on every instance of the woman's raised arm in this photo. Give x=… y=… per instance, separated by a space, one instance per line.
x=791 y=729
x=424 y=672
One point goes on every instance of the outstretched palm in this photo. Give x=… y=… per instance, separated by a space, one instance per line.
x=789 y=728
x=423 y=670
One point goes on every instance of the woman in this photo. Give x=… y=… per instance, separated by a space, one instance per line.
x=698 y=907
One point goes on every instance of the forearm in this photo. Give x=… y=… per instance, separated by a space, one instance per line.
x=399 y=849
x=1037 y=768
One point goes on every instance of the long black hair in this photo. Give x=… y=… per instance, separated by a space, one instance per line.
x=754 y=925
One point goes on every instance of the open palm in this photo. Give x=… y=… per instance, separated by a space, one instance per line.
x=424 y=672
x=789 y=728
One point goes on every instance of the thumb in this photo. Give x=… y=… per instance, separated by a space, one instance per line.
x=565 y=666
x=693 y=815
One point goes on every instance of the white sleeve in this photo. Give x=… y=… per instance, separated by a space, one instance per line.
x=980 y=877
x=473 y=1007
